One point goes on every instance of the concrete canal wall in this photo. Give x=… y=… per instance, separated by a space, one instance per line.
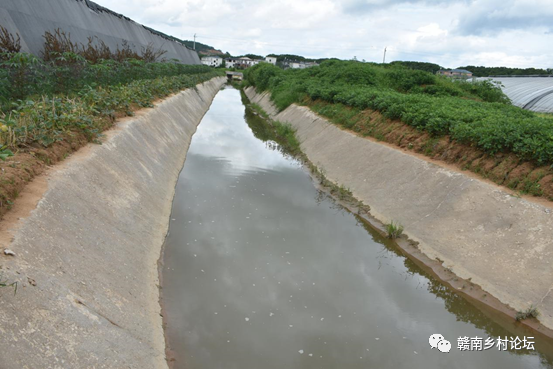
x=86 y=258
x=83 y=19
x=500 y=242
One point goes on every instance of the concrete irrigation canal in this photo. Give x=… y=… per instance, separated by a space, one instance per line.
x=263 y=270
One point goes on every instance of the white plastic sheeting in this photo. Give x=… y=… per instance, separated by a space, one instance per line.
x=532 y=93
x=31 y=18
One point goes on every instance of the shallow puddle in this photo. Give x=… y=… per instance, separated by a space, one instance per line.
x=262 y=270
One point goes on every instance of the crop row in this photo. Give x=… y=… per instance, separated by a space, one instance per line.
x=46 y=119
x=473 y=113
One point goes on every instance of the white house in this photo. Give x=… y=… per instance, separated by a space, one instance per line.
x=243 y=62
x=299 y=64
x=271 y=59
x=212 y=61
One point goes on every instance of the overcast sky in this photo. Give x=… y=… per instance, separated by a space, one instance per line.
x=452 y=33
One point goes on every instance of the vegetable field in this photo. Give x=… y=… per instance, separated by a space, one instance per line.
x=474 y=113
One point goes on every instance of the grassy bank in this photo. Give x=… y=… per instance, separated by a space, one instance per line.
x=51 y=106
x=45 y=129
x=45 y=119
x=474 y=113
x=267 y=129
x=469 y=124
x=508 y=169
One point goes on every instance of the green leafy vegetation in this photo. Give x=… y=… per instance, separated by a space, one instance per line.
x=5 y=153
x=473 y=113
x=203 y=49
x=505 y=71
x=268 y=130
x=394 y=230
x=259 y=110
x=283 y=57
x=427 y=67
x=80 y=88
x=286 y=131
x=51 y=106
x=68 y=67
x=47 y=119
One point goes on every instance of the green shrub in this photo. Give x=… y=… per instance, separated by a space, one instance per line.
x=47 y=119
x=394 y=230
x=288 y=134
x=476 y=113
x=24 y=75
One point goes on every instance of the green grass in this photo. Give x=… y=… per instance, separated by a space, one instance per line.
x=477 y=113
x=394 y=230
x=545 y=115
x=531 y=312
x=288 y=133
x=26 y=76
x=285 y=135
x=282 y=133
x=48 y=119
x=259 y=110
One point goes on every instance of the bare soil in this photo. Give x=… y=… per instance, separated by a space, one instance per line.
x=28 y=162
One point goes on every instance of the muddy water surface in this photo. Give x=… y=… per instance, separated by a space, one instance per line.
x=261 y=271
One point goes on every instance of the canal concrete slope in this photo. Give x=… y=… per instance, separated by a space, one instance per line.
x=500 y=242
x=86 y=258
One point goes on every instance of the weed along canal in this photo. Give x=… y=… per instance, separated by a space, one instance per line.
x=263 y=270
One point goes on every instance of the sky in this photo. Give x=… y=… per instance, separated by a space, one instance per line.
x=451 y=33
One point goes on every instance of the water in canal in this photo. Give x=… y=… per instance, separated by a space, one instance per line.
x=262 y=270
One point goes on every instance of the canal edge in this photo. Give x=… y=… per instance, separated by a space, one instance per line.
x=210 y=89
x=409 y=247
x=85 y=255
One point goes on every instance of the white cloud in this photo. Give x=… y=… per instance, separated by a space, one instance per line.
x=495 y=16
x=447 y=32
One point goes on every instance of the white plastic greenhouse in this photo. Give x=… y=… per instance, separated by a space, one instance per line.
x=531 y=93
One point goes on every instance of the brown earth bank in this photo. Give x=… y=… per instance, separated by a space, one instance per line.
x=27 y=163
x=505 y=169
x=30 y=161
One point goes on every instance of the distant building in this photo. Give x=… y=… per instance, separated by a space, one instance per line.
x=212 y=61
x=456 y=73
x=309 y=64
x=294 y=64
x=241 y=63
x=271 y=59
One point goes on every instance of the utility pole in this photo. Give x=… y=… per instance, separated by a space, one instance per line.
x=194 y=41
x=384 y=59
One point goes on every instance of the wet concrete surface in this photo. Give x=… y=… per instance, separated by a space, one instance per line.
x=262 y=270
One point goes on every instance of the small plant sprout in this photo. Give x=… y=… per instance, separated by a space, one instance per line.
x=5 y=283
x=531 y=312
x=394 y=230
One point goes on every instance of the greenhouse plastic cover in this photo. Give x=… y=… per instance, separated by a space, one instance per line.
x=531 y=93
